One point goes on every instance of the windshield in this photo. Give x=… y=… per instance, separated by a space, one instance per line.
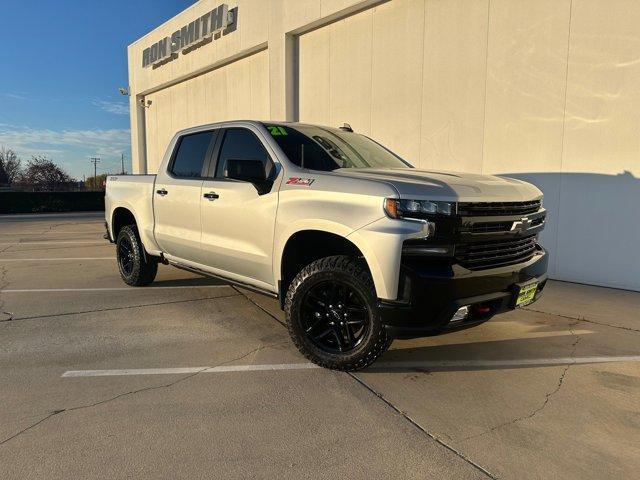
x=320 y=148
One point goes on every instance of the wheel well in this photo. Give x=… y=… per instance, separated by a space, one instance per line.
x=305 y=247
x=121 y=218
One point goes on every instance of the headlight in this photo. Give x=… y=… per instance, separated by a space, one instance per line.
x=416 y=209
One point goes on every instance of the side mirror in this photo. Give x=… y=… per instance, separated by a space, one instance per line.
x=252 y=171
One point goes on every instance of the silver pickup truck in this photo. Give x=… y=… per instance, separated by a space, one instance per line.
x=359 y=246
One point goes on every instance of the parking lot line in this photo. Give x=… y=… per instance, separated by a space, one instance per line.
x=179 y=370
x=106 y=289
x=385 y=365
x=53 y=259
x=519 y=362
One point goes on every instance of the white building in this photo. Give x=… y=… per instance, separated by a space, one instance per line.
x=545 y=90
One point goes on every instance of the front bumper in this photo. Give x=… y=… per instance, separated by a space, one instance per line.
x=431 y=293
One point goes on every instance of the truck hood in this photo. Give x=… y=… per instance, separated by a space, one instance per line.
x=451 y=186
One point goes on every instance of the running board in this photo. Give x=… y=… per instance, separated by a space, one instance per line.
x=224 y=279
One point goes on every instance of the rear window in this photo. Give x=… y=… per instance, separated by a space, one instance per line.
x=191 y=155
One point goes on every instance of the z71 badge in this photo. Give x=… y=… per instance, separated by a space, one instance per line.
x=303 y=182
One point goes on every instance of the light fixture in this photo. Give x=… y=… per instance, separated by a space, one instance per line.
x=417 y=209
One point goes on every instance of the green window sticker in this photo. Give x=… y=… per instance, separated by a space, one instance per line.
x=276 y=130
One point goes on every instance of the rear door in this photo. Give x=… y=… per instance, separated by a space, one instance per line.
x=177 y=194
x=237 y=220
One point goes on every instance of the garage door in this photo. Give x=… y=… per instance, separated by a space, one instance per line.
x=236 y=91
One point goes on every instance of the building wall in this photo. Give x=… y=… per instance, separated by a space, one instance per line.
x=237 y=90
x=545 y=91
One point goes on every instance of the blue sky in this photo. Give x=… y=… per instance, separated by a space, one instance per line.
x=61 y=64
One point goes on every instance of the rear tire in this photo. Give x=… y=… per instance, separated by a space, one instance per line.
x=332 y=315
x=137 y=268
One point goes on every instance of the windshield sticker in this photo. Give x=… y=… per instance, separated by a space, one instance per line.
x=276 y=130
x=303 y=182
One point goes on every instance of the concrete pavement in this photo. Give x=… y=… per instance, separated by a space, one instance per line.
x=551 y=391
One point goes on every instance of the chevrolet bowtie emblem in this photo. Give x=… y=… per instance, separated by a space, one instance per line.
x=521 y=225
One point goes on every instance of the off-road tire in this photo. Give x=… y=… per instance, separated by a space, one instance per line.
x=347 y=270
x=144 y=267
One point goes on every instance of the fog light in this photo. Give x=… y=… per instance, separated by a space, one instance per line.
x=461 y=314
x=481 y=309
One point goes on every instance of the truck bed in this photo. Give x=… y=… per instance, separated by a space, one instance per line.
x=134 y=192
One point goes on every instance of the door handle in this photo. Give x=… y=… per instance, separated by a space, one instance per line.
x=211 y=196
x=162 y=192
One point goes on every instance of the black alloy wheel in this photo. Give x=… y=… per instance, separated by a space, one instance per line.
x=335 y=316
x=331 y=310
x=137 y=268
x=125 y=256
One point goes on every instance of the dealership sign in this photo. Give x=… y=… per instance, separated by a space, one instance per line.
x=212 y=24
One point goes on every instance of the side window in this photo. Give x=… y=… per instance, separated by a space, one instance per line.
x=302 y=150
x=191 y=155
x=241 y=144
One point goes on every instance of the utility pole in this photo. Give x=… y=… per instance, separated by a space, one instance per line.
x=122 y=160
x=95 y=161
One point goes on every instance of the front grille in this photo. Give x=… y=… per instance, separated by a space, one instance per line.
x=496 y=227
x=478 y=256
x=473 y=209
x=537 y=221
x=489 y=227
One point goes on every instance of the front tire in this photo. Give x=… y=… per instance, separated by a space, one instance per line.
x=137 y=268
x=332 y=315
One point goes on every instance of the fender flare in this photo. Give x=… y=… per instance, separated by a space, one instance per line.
x=323 y=225
x=149 y=244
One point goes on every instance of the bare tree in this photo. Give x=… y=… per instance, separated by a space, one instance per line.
x=42 y=174
x=4 y=178
x=11 y=165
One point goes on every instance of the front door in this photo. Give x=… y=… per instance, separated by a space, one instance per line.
x=176 y=197
x=238 y=221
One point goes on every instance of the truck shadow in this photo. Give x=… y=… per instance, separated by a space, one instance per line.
x=489 y=355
